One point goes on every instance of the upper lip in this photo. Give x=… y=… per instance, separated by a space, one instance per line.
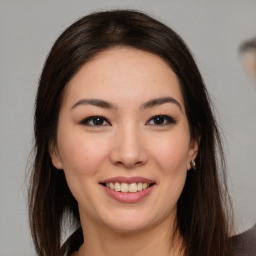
x=128 y=180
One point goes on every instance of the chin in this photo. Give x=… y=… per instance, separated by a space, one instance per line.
x=128 y=222
x=129 y=227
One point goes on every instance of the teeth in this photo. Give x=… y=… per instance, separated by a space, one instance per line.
x=117 y=186
x=125 y=187
x=144 y=185
x=133 y=187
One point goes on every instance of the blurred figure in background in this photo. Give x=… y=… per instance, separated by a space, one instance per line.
x=245 y=243
x=248 y=53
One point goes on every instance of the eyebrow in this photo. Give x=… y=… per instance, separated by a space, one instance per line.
x=104 y=104
x=95 y=102
x=160 y=101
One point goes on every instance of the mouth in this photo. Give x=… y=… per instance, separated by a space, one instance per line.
x=128 y=187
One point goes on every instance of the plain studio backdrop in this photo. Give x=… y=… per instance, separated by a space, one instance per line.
x=212 y=29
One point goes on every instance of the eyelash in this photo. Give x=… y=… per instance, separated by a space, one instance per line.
x=94 y=118
x=167 y=120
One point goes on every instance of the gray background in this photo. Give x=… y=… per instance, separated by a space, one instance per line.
x=212 y=29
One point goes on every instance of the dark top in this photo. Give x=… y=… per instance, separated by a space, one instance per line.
x=73 y=242
x=243 y=244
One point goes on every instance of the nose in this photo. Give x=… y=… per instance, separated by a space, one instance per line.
x=128 y=148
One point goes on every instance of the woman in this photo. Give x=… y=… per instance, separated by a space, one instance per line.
x=126 y=145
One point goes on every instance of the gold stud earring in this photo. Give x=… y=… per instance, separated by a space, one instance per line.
x=193 y=164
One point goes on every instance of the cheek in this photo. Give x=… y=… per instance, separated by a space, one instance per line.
x=81 y=158
x=171 y=153
x=81 y=155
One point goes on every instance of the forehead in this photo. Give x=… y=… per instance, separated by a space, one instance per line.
x=126 y=74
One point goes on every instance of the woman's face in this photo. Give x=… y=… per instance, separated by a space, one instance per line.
x=122 y=126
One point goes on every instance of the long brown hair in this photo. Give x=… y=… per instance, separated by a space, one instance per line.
x=203 y=216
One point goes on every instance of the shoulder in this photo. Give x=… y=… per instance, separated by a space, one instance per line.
x=244 y=244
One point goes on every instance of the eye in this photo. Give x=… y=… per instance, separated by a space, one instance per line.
x=161 y=120
x=95 y=121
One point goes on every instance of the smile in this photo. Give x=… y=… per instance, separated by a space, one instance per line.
x=125 y=187
x=128 y=189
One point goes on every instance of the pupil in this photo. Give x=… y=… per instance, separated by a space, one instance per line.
x=97 y=121
x=159 y=120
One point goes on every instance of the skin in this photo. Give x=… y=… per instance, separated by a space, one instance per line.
x=128 y=142
x=249 y=61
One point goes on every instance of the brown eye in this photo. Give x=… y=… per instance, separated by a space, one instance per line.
x=95 y=121
x=161 y=120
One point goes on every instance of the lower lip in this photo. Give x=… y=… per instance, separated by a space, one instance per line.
x=128 y=197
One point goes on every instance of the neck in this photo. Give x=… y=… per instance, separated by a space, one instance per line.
x=158 y=240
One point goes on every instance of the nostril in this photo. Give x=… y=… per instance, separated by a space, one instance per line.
x=128 y=152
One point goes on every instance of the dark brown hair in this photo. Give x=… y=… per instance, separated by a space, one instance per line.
x=248 y=46
x=203 y=217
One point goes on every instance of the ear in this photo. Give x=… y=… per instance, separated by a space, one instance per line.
x=193 y=151
x=53 y=151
